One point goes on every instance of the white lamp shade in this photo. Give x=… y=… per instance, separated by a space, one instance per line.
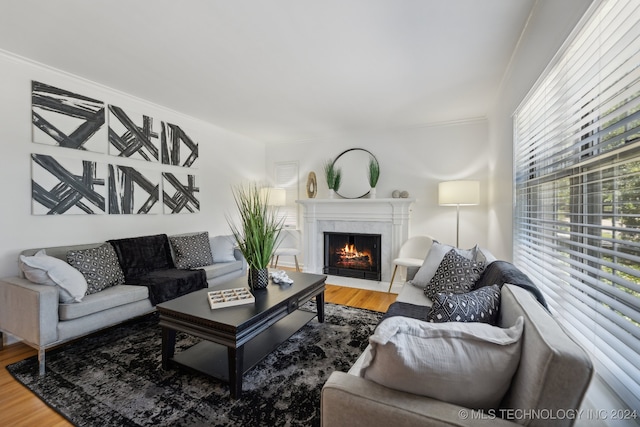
x=274 y=196
x=278 y=197
x=459 y=193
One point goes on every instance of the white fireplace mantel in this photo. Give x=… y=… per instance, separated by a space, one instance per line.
x=388 y=217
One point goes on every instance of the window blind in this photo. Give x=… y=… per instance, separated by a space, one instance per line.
x=577 y=190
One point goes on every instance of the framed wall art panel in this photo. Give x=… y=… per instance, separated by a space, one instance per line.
x=180 y=193
x=133 y=190
x=133 y=135
x=178 y=148
x=67 y=186
x=66 y=119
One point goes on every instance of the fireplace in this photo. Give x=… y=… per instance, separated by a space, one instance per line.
x=352 y=255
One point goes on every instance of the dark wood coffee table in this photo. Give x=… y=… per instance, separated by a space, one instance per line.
x=237 y=338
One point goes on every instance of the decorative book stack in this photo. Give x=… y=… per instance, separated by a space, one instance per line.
x=230 y=297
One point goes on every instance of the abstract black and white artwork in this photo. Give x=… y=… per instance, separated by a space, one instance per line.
x=180 y=193
x=67 y=119
x=133 y=191
x=178 y=148
x=133 y=135
x=67 y=186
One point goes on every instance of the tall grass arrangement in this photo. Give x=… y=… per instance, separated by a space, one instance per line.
x=333 y=175
x=373 y=172
x=259 y=227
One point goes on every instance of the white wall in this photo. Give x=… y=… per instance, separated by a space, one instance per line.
x=549 y=25
x=415 y=160
x=226 y=159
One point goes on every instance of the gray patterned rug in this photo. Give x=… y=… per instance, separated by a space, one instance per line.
x=115 y=378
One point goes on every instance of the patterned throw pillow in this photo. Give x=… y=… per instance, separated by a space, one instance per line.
x=99 y=266
x=455 y=274
x=481 y=305
x=192 y=250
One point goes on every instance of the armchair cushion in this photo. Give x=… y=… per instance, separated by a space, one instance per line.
x=467 y=364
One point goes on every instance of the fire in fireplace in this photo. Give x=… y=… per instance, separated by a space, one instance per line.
x=352 y=255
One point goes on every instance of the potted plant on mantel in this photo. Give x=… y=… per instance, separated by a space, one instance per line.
x=257 y=232
x=373 y=174
x=333 y=176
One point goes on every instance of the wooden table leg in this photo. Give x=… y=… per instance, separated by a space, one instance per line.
x=168 y=346
x=236 y=358
x=320 y=306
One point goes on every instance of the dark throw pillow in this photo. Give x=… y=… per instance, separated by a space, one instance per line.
x=99 y=266
x=455 y=274
x=191 y=251
x=481 y=305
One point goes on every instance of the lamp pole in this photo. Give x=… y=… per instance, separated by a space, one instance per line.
x=458 y=225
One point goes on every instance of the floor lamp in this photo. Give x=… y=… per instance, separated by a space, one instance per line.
x=458 y=193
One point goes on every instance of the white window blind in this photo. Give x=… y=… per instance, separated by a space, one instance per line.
x=286 y=176
x=577 y=190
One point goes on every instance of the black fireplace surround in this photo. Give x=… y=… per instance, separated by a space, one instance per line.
x=352 y=255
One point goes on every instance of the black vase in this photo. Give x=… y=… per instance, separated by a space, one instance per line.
x=258 y=278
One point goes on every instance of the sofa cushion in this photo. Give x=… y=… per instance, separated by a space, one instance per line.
x=434 y=258
x=223 y=248
x=481 y=305
x=141 y=255
x=217 y=270
x=45 y=270
x=191 y=251
x=99 y=266
x=456 y=273
x=468 y=364
x=111 y=297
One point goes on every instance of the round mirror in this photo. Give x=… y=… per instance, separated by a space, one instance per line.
x=354 y=166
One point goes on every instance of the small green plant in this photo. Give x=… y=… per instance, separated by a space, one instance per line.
x=333 y=175
x=373 y=172
x=259 y=227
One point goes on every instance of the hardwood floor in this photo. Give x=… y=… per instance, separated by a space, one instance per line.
x=19 y=407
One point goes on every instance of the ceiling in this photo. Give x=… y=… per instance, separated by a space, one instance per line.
x=281 y=70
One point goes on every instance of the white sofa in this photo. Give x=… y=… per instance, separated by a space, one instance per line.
x=33 y=312
x=553 y=375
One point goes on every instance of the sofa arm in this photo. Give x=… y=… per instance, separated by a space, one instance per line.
x=29 y=311
x=351 y=401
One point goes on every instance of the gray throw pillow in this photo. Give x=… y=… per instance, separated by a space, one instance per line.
x=434 y=258
x=99 y=266
x=481 y=305
x=467 y=364
x=191 y=250
x=223 y=248
x=456 y=274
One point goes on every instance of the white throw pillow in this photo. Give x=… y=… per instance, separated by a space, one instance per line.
x=222 y=248
x=467 y=364
x=47 y=270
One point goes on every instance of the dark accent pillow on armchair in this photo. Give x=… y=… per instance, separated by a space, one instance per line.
x=141 y=255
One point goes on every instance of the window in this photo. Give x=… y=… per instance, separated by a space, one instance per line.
x=577 y=190
x=286 y=176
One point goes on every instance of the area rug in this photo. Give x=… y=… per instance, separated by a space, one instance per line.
x=115 y=378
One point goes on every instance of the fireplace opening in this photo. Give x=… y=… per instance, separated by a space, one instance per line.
x=352 y=255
